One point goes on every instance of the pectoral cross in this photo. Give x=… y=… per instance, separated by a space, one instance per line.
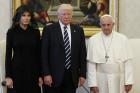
x=106 y=57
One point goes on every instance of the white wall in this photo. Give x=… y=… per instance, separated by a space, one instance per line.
x=5 y=15
x=2 y=65
x=129 y=18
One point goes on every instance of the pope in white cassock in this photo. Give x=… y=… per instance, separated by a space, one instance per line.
x=109 y=60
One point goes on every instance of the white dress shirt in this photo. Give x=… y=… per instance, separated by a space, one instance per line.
x=68 y=30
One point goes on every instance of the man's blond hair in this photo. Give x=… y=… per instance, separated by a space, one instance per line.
x=64 y=7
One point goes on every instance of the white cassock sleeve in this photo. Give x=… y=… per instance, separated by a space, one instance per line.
x=91 y=74
x=128 y=64
x=129 y=73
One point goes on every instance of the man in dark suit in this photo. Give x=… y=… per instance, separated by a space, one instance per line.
x=63 y=54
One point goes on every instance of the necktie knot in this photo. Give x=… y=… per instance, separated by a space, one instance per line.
x=65 y=27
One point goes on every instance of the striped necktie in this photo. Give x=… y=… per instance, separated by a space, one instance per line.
x=67 y=49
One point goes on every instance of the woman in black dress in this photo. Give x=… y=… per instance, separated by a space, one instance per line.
x=23 y=64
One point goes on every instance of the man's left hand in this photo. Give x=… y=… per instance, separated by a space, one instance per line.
x=81 y=81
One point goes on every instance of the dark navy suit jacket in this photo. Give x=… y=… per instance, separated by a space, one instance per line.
x=53 y=53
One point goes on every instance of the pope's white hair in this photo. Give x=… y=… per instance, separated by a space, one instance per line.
x=105 y=16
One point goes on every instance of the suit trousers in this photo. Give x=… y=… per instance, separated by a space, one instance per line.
x=67 y=85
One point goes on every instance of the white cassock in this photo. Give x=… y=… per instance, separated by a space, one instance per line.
x=112 y=73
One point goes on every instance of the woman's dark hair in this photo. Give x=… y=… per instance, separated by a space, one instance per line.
x=19 y=11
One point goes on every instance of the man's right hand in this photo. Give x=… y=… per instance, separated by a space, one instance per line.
x=94 y=90
x=48 y=80
x=128 y=88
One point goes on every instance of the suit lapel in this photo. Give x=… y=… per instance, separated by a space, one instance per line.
x=59 y=35
x=72 y=37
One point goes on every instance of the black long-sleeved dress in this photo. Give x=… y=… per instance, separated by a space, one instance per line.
x=23 y=59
